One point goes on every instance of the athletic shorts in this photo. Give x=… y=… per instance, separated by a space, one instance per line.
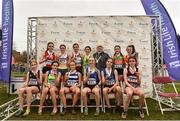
x=45 y=69
x=63 y=71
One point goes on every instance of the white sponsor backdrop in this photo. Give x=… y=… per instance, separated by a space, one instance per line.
x=107 y=31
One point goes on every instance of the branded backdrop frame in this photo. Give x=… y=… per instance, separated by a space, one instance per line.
x=156 y=41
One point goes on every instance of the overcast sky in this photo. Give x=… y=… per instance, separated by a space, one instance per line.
x=35 y=8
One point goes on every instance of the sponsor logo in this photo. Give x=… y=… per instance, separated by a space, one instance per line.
x=80 y=24
x=67 y=40
x=143 y=33
x=131 y=24
x=144 y=50
x=143 y=41
x=118 y=24
x=80 y=41
x=55 y=24
x=119 y=41
x=42 y=41
x=93 y=32
x=42 y=51
x=42 y=33
x=93 y=23
x=131 y=32
x=42 y=24
x=67 y=33
x=144 y=58
x=145 y=76
x=145 y=85
x=55 y=33
x=94 y=41
x=119 y=31
x=105 y=41
x=80 y=32
x=143 y=24
x=131 y=41
x=174 y=64
x=55 y=41
x=105 y=23
x=144 y=68
x=106 y=32
x=67 y=24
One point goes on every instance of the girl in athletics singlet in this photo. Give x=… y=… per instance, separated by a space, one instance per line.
x=86 y=57
x=64 y=59
x=72 y=83
x=77 y=57
x=51 y=85
x=48 y=57
x=92 y=85
x=31 y=86
x=132 y=79
x=131 y=53
x=119 y=63
x=111 y=84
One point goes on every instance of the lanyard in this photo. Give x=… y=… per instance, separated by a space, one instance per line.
x=97 y=58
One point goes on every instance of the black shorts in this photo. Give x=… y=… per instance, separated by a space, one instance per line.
x=108 y=86
x=63 y=71
x=120 y=71
x=90 y=86
x=135 y=85
x=45 y=69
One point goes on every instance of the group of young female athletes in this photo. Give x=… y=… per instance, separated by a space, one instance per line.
x=65 y=73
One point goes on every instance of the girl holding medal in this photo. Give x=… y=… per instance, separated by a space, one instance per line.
x=92 y=81
x=132 y=78
x=72 y=83
x=51 y=85
x=131 y=53
x=111 y=84
x=31 y=86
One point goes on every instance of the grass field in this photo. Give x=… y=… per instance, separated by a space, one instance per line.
x=155 y=114
x=153 y=106
x=4 y=97
x=18 y=74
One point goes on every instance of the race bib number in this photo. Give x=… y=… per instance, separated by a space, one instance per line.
x=110 y=82
x=132 y=78
x=32 y=82
x=91 y=81
x=78 y=61
x=52 y=82
x=118 y=66
x=48 y=62
x=71 y=83
x=63 y=60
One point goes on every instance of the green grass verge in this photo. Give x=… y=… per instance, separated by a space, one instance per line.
x=153 y=106
x=18 y=74
x=169 y=88
x=4 y=97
